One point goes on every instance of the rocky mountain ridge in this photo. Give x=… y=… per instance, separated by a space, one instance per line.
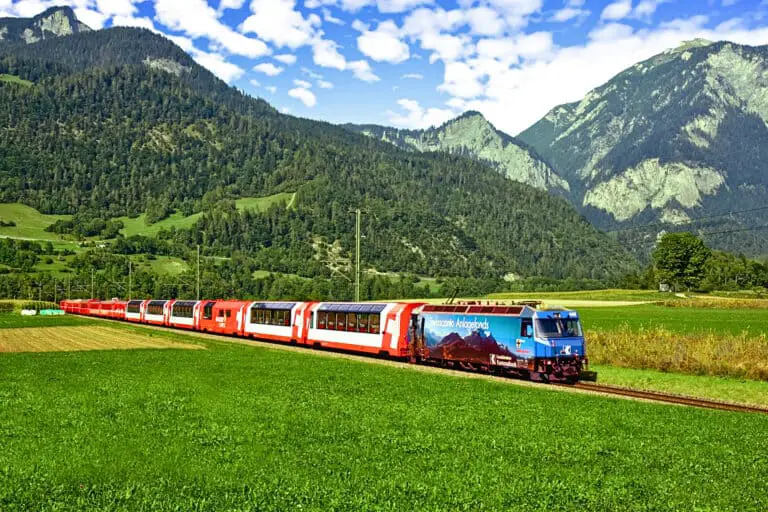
x=472 y=135
x=52 y=23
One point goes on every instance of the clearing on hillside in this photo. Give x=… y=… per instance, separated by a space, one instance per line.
x=72 y=339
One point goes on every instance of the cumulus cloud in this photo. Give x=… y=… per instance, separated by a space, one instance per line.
x=362 y=70
x=278 y=22
x=617 y=10
x=568 y=13
x=286 y=58
x=268 y=69
x=382 y=44
x=413 y=116
x=218 y=65
x=304 y=95
x=197 y=19
x=414 y=76
x=324 y=84
x=302 y=83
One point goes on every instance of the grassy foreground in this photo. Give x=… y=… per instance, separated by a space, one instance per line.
x=236 y=427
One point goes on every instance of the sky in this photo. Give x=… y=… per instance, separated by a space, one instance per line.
x=418 y=63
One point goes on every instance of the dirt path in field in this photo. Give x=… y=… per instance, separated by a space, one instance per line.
x=69 y=339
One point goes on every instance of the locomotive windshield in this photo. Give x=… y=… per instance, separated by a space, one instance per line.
x=558 y=327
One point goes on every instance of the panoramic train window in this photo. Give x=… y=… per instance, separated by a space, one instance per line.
x=271 y=315
x=155 y=308
x=184 y=309
x=134 y=306
x=364 y=318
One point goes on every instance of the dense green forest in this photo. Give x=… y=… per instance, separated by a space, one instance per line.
x=100 y=134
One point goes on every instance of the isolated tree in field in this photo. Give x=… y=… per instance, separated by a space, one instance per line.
x=680 y=259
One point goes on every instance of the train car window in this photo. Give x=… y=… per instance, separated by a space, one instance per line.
x=226 y=313
x=155 y=309
x=134 y=307
x=351 y=322
x=259 y=316
x=526 y=324
x=362 y=322
x=322 y=318
x=286 y=318
x=267 y=317
x=374 y=327
x=331 y=320
x=208 y=311
x=341 y=321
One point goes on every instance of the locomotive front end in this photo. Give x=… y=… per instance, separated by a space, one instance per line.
x=561 y=354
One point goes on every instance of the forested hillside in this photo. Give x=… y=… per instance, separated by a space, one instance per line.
x=120 y=121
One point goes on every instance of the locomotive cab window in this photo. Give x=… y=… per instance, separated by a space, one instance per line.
x=526 y=328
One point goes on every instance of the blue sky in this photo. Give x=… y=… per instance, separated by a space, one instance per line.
x=416 y=63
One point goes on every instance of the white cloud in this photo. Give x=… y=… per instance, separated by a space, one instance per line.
x=268 y=69
x=362 y=70
x=306 y=96
x=93 y=19
x=311 y=74
x=197 y=19
x=416 y=117
x=278 y=22
x=384 y=6
x=302 y=83
x=485 y=21
x=286 y=58
x=254 y=82
x=646 y=8
x=617 y=10
x=325 y=53
x=414 y=76
x=568 y=13
x=271 y=88
x=130 y=21
x=230 y=4
x=324 y=84
x=327 y=16
x=382 y=44
x=218 y=65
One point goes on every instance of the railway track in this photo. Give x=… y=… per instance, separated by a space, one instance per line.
x=587 y=387
x=657 y=396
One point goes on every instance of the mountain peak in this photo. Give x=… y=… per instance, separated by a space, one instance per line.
x=54 y=22
x=694 y=43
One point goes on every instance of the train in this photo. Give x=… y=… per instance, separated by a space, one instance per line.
x=519 y=340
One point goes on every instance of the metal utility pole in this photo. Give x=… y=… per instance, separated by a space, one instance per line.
x=198 y=272
x=92 y=278
x=129 y=279
x=357 y=255
x=69 y=287
x=54 y=291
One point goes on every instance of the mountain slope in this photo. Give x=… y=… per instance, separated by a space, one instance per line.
x=54 y=22
x=121 y=137
x=679 y=137
x=472 y=135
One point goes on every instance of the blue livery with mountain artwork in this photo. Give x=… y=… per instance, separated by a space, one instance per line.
x=542 y=345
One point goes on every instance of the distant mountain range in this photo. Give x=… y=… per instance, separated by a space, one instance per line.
x=115 y=122
x=679 y=141
x=472 y=135
x=54 y=22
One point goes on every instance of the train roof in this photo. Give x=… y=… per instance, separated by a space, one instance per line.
x=475 y=309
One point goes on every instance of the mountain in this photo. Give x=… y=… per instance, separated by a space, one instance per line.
x=472 y=135
x=91 y=127
x=679 y=141
x=54 y=22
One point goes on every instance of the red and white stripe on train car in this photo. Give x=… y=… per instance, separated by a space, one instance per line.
x=363 y=327
x=155 y=312
x=276 y=321
x=134 y=309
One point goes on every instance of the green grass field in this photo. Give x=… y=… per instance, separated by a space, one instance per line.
x=30 y=223
x=682 y=320
x=15 y=320
x=602 y=295
x=236 y=427
x=136 y=226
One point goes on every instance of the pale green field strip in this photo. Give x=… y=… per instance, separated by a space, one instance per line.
x=13 y=79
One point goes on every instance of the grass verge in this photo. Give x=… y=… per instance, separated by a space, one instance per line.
x=239 y=427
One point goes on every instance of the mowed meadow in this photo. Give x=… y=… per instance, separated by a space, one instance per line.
x=236 y=426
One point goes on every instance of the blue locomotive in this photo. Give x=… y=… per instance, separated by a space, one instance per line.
x=542 y=345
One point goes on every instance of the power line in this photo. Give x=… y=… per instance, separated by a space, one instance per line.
x=702 y=235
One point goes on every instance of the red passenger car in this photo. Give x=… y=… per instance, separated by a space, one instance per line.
x=222 y=316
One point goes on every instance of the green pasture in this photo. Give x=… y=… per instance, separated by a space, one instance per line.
x=30 y=223
x=676 y=319
x=15 y=321
x=137 y=225
x=729 y=389
x=238 y=427
x=13 y=79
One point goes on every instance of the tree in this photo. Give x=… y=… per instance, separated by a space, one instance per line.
x=680 y=258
